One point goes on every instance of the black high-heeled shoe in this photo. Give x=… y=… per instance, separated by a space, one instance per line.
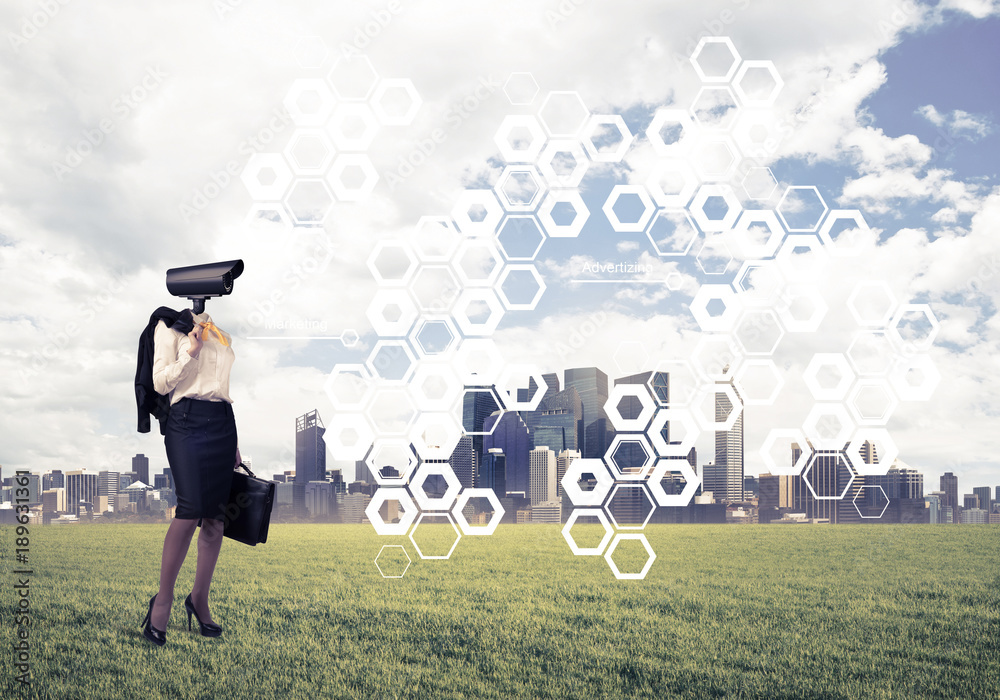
x=157 y=637
x=207 y=629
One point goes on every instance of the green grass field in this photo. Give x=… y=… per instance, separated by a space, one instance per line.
x=725 y=612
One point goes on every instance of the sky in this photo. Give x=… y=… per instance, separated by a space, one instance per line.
x=129 y=134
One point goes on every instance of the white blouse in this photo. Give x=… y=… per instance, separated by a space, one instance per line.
x=205 y=377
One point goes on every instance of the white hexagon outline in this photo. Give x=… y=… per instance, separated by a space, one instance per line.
x=349 y=421
x=884 y=508
x=355 y=57
x=448 y=323
x=649 y=208
x=441 y=503
x=395 y=342
x=549 y=225
x=869 y=321
x=484 y=198
x=444 y=302
x=384 y=393
x=575 y=471
x=345 y=110
x=715 y=40
x=407 y=307
x=839 y=249
x=469 y=378
x=381 y=245
x=533 y=95
x=827 y=359
x=297 y=167
x=711 y=292
x=554 y=179
x=614 y=567
x=741 y=74
x=382 y=495
x=491 y=248
x=501 y=138
x=638 y=391
x=906 y=391
x=415 y=101
x=868 y=434
x=741 y=229
x=478 y=530
x=352 y=194
x=621 y=347
x=678 y=116
x=757 y=299
x=308 y=222
x=666 y=214
x=587 y=512
x=643 y=441
x=453 y=389
x=451 y=521
x=724 y=376
x=925 y=309
x=404 y=476
x=303 y=85
x=505 y=201
x=761 y=151
x=451 y=246
x=593 y=151
x=862 y=384
x=802 y=274
x=734 y=399
x=714 y=175
x=784 y=195
x=454 y=432
x=743 y=184
x=282 y=176
x=673 y=500
x=673 y=415
x=794 y=325
x=796 y=436
x=631 y=485
x=508 y=304
x=466 y=324
x=521 y=258
x=708 y=127
x=890 y=359
x=673 y=363
x=837 y=442
x=827 y=453
x=654 y=183
x=344 y=368
x=698 y=211
x=253 y=219
x=510 y=398
x=548 y=127
x=405 y=568
x=720 y=239
x=741 y=388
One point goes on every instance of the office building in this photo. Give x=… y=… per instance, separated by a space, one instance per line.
x=54 y=501
x=547 y=512
x=542 y=486
x=899 y=482
x=657 y=386
x=829 y=476
x=775 y=491
x=140 y=465
x=507 y=432
x=354 y=507
x=493 y=472
x=985 y=502
x=321 y=500
x=108 y=485
x=932 y=502
x=53 y=480
x=82 y=486
x=310 y=448
x=629 y=505
x=949 y=484
x=464 y=462
x=974 y=516
x=478 y=404
x=591 y=385
x=563 y=460
x=557 y=421
x=970 y=500
x=726 y=477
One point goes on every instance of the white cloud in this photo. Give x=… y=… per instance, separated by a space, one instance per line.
x=959 y=123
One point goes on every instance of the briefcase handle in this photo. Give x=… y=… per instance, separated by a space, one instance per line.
x=246 y=469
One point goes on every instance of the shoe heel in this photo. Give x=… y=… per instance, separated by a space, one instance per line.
x=189 y=620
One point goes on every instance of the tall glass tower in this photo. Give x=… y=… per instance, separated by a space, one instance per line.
x=726 y=480
x=310 y=448
x=592 y=386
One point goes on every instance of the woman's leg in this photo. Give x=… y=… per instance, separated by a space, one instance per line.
x=209 y=544
x=175 y=547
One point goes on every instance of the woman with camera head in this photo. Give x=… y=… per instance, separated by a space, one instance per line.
x=201 y=444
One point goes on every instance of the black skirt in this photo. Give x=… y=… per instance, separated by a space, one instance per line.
x=201 y=449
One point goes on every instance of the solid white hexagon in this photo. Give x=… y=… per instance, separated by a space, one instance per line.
x=520 y=150
x=723 y=293
x=802 y=309
x=563 y=113
x=819 y=362
x=563 y=179
x=575 y=471
x=661 y=118
x=478 y=296
x=872 y=303
x=451 y=521
x=645 y=492
x=392 y=117
x=711 y=75
x=348 y=436
x=926 y=375
x=463 y=500
x=758 y=382
x=820 y=430
x=871 y=401
x=608 y=155
x=384 y=248
x=406 y=518
x=846 y=244
x=505 y=276
x=309 y=102
x=758 y=100
x=587 y=512
x=637 y=391
x=480 y=201
x=792 y=436
x=349 y=191
x=266 y=176
x=698 y=207
x=673 y=500
x=440 y=503
x=617 y=224
x=753 y=220
x=392 y=312
x=353 y=126
x=647 y=463
x=572 y=198
x=614 y=567
x=885 y=451
x=677 y=418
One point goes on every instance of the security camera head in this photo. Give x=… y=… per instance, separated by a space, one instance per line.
x=199 y=282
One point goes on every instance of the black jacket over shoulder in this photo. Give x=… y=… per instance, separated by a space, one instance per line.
x=147 y=401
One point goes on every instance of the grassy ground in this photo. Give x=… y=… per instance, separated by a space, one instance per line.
x=772 y=611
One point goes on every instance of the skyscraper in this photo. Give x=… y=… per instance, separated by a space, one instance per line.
x=984 y=497
x=592 y=386
x=556 y=423
x=727 y=471
x=543 y=475
x=660 y=391
x=310 y=448
x=493 y=473
x=140 y=465
x=563 y=460
x=463 y=462
x=82 y=486
x=949 y=484
x=53 y=480
x=108 y=486
x=478 y=404
x=508 y=433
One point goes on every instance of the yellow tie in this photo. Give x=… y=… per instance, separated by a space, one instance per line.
x=211 y=327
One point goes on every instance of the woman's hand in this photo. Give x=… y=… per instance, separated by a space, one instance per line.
x=195 y=337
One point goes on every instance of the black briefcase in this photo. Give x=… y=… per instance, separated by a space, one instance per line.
x=248 y=513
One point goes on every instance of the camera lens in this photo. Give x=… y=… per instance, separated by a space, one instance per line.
x=227 y=282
